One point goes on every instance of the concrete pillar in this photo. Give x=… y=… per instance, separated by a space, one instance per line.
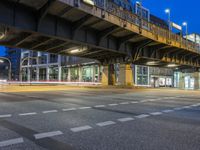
x=181 y=80
x=111 y=73
x=37 y=74
x=104 y=79
x=125 y=75
x=80 y=73
x=196 y=80
x=28 y=74
x=47 y=78
x=59 y=73
x=69 y=75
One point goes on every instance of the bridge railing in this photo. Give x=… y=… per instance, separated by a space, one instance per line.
x=156 y=31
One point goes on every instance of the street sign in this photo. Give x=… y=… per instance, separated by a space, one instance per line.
x=176 y=26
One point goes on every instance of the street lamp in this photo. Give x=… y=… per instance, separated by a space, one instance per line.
x=10 y=65
x=185 y=24
x=168 y=11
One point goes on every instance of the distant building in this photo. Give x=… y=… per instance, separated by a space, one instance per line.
x=14 y=54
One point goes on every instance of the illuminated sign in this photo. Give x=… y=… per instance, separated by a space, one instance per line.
x=176 y=26
x=90 y=2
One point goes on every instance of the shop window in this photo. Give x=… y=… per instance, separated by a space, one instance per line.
x=53 y=73
x=64 y=75
x=42 y=74
x=74 y=74
x=142 y=75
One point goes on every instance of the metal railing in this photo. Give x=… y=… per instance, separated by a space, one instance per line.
x=156 y=31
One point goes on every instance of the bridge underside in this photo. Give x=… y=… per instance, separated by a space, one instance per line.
x=55 y=27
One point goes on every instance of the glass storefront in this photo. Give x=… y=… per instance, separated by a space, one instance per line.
x=64 y=75
x=53 y=73
x=87 y=73
x=33 y=72
x=189 y=82
x=142 y=75
x=42 y=74
x=24 y=74
x=74 y=72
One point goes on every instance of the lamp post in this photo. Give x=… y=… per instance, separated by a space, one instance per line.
x=185 y=24
x=168 y=12
x=10 y=66
x=139 y=3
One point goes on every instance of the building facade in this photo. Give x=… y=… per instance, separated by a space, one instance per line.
x=14 y=55
x=40 y=66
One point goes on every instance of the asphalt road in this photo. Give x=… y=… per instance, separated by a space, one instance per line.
x=100 y=120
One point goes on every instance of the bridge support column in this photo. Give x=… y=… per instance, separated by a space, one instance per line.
x=104 y=79
x=196 y=80
x=125 y=75
x=181 y=81
x=108 y=75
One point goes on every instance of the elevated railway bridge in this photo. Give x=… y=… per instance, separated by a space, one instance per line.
x=93 y=29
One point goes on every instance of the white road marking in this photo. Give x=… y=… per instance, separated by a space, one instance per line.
x=69 y=109
x=142 y=116
x=152 y=100
x=99 y=106
x=107 y=123
x=124 y=103
x=167 y=111
x=11 y=142
x=194 y=105
x=178 y=108
x=143 y=101
x=84 y=108
x=198 y=104
x=5 y=116
x=47 y=134
x=113 y=104
x=186 y=107
x=28 y=114
x=82 y=128
x=156 y=113
x=134 y=102
x=125 y=119
x=50 y=111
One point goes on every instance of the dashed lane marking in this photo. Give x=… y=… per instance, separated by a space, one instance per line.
x=178 y=108
x=84 y=108
x=156 y=113
x=47 y=134
x=113 y=104
x=11 y=142
x=99 y=106
x=124 y=103
x=28 y=114
x=125 y=119
x=49 y=111
x=167 y=111
x=69 y=109
x=186 y=107
x=106 y=123
x=143 y=101
x=82 y=128
x=142 y=116
x=134 y=102
x=5 y=116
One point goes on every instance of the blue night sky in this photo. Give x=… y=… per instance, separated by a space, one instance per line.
x=181 y=10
